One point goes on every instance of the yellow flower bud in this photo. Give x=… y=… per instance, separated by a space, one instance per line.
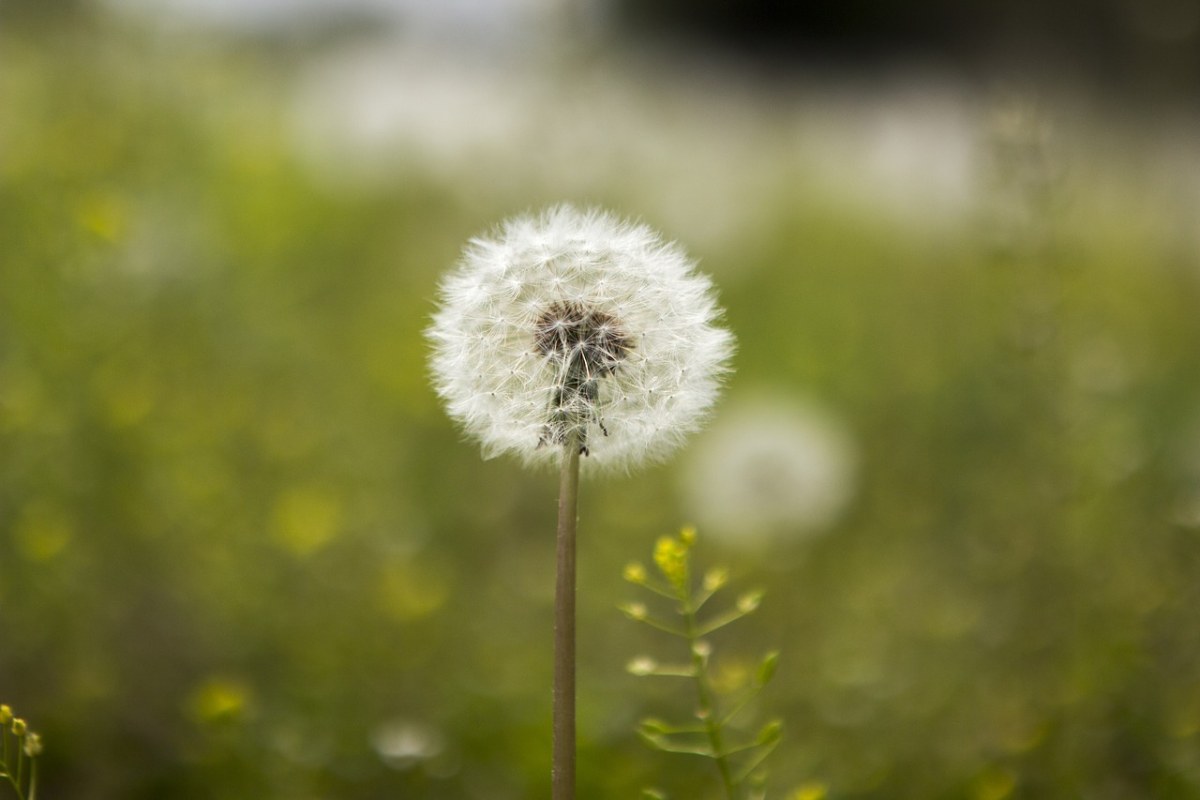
x=715 y=578
x=810 y=791
x=635 y=610
x=671 y=557
x=749 y=602
x=642 y=665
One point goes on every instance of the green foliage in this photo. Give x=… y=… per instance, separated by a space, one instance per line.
x=19 y=755
x=246 y=556
x=716 y=730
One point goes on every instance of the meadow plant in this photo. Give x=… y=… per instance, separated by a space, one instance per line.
x=20 y=751
x=573 y=335
x=716 y=729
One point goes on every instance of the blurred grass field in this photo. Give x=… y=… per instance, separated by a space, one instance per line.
x=243 y=553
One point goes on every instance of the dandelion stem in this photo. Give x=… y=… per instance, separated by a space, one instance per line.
x=563 y=762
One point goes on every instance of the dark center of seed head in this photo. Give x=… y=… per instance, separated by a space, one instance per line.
x=590 y=341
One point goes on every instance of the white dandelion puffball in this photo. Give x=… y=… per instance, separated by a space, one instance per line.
x=578 y=326
x=773 y=469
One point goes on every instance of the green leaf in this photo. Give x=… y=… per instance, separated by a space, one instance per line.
x=766 y=670
x=657 y=727
x=770 y=733
x=653 y=725
x=720 y=621
x=660 y=742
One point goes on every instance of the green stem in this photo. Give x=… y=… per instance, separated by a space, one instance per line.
x=562 y=774
x=15 y=775
x=709 y=713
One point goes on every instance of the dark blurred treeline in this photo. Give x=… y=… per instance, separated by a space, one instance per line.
x=1122 y=46
x=1135 y=48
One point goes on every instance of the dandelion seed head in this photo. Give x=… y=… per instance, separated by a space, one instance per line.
x=578 y=323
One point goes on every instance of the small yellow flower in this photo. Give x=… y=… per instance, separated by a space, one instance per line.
x=19 y=727
x=635 y=573
x=219 y=699
x=810 y=791
x=5 y=715
x=749 y=602
x=715 y=578
x=635 y=610
x=642 y=665
x=671 y=556
x=33 y=745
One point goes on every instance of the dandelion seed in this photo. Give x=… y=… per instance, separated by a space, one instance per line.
x=578 y=324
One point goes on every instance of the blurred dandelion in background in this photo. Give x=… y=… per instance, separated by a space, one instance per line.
x=770 y=469
x=405 y=743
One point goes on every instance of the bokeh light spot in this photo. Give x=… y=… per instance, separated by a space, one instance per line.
x=306 y=519
x=408 y=591
x=43 y=531
x=219 y=698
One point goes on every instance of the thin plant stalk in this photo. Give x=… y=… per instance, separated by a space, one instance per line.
x=708 y=705
x=563 y=761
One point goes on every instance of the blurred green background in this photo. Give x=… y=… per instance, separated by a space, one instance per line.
x=243 y=553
